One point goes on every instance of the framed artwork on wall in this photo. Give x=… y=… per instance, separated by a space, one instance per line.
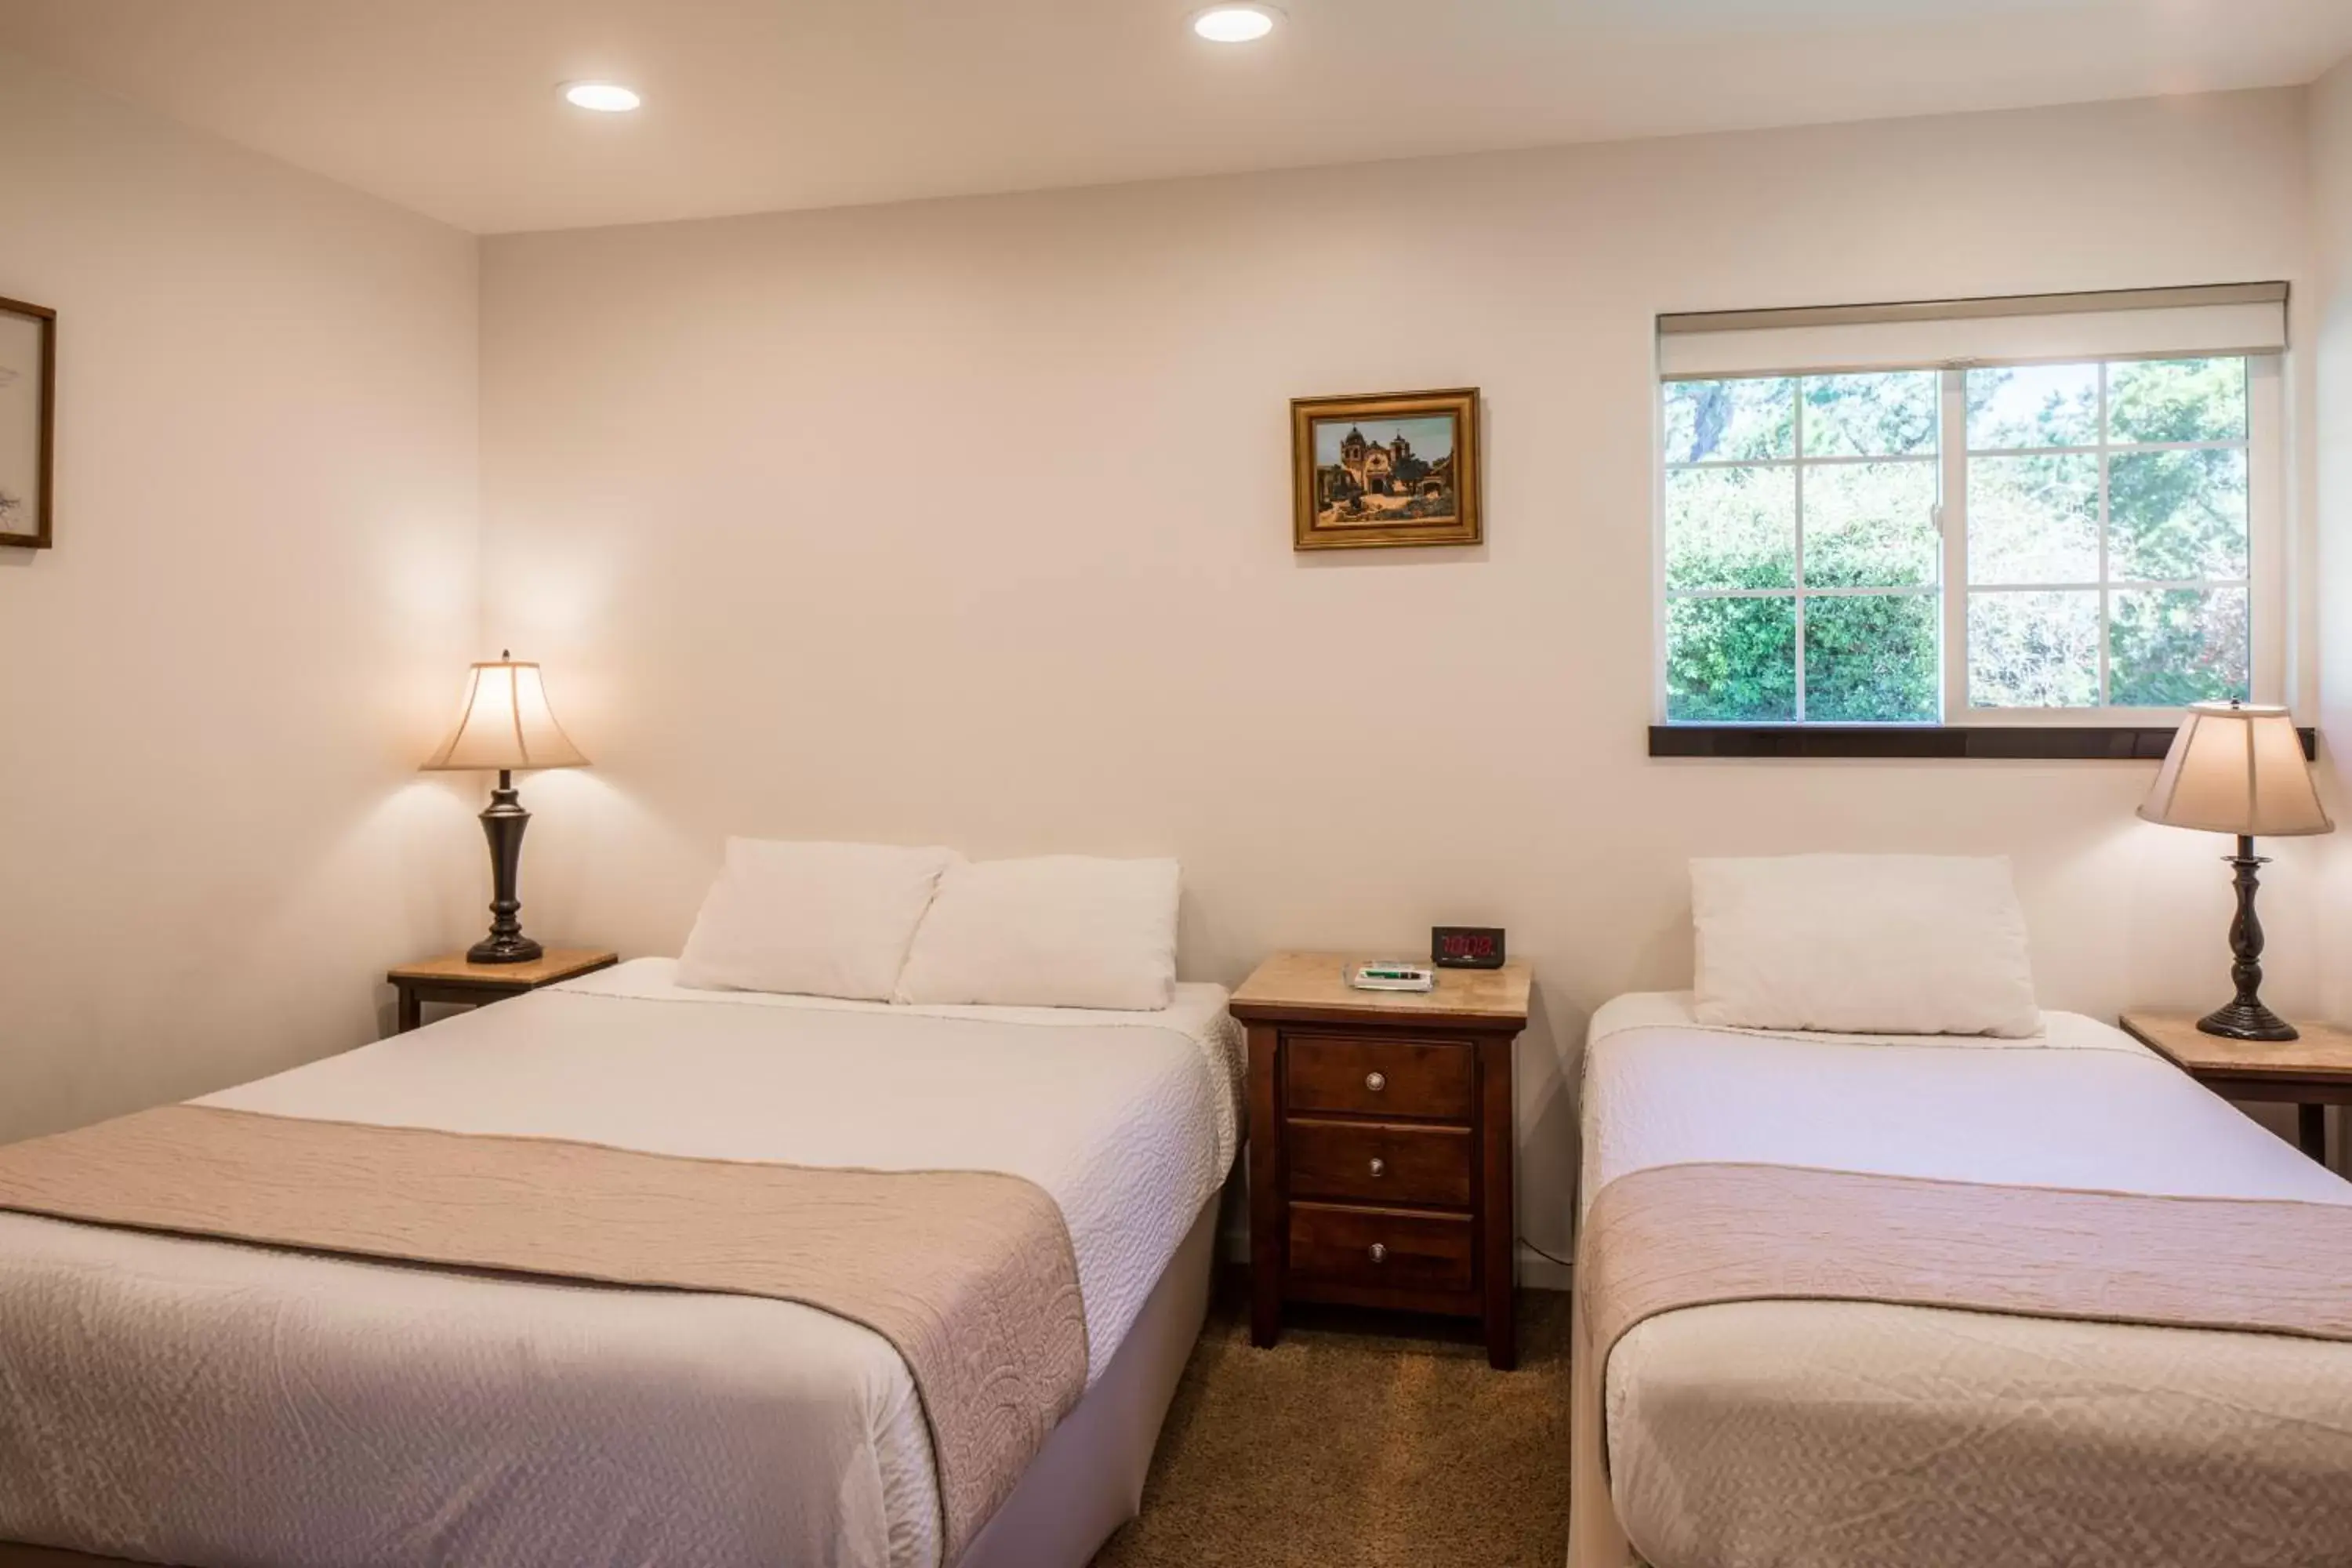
x=28 y=423
x=1381 y=472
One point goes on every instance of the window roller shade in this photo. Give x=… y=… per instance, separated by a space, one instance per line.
x=2149 y=324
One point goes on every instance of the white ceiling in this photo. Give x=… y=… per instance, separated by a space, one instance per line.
x=450 y=107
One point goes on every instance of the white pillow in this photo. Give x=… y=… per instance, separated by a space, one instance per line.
x=1864 y=945
x=1062 y=931
x=816 y=919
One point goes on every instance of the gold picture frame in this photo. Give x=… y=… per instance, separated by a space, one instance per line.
x=1379 y=472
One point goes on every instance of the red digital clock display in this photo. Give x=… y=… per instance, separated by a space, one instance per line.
x=1466 y=947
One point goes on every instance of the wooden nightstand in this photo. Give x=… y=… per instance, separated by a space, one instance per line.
x=1380 y=1139
x=2312 y=1073
x=453 y=980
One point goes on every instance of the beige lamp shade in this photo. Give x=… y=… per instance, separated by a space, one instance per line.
x=506 y=724
x=2237 y=769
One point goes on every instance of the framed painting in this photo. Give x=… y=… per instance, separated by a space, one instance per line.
x=28 y=423
x=1375 y=472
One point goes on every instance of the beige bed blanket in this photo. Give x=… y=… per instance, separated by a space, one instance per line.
x=1667 y=1237
x=969 y=1275
x=1691 y=1236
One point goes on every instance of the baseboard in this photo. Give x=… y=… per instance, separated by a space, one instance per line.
x=1537 y=1272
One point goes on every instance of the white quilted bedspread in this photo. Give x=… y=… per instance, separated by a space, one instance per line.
x=178 y=1400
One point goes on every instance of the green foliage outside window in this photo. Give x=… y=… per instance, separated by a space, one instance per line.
x=1871 y=659
x=1732 y=661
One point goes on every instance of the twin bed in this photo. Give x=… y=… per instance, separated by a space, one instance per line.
x=2019 y=1294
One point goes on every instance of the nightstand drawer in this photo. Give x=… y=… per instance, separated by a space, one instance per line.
x=1378 y=1077
x=1385 y=1248
x=1381 y=1161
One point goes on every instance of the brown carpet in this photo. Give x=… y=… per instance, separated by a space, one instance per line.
x=1350 y=1445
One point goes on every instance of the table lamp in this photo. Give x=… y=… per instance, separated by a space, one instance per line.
x=506 y=724
x=2239 y=769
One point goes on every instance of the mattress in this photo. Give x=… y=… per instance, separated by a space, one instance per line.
x=1821 y=1433
x=180 y=1400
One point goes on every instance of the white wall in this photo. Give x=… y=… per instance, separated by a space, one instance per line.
x=2330 y=444
x=215 y=691
x=968 y=522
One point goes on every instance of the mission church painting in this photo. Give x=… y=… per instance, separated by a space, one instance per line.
x=1401 y=468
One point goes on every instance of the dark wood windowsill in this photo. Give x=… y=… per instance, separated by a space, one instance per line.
x=2071 y=742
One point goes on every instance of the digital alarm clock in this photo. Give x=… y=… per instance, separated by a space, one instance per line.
x=1466 y=947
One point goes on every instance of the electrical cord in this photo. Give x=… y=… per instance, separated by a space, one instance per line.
x=1540 y=1252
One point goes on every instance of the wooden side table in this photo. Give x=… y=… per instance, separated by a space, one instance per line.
x=1381 y=1143
x=453 y=981
x=2312 y=1073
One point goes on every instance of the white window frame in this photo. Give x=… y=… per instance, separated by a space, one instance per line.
x=2267 y=610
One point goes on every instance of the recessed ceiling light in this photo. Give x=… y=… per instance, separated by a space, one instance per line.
x=1235 y=24
x=604 y=97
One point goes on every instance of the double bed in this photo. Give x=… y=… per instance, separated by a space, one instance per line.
x=1781 y=1424
x=206 y=1400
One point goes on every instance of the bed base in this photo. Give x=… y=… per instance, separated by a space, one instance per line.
x=1087 y=1480
x=1595 y=1539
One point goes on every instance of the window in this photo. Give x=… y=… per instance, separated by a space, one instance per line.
x=1802 y=554
x=2017 y=538
x=2108 y=535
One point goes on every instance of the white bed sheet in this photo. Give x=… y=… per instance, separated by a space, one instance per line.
x=1776 y=1432
x=452 y=1416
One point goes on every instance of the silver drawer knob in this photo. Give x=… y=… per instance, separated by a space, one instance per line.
x=1380 y=1167
x=1376 y=1081
x=1380 y=1253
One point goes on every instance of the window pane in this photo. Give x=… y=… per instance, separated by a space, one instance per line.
x=1871 y=525
x=1731 y=661
x=2167 y=647
x=2034 y=520
x=2034 y=405
x=1871 y=659
x=1888 y=416
x=1731 y=528
x=2178 y=400
x=2176 y=515
x=1730 y=421
x=2033 y=650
